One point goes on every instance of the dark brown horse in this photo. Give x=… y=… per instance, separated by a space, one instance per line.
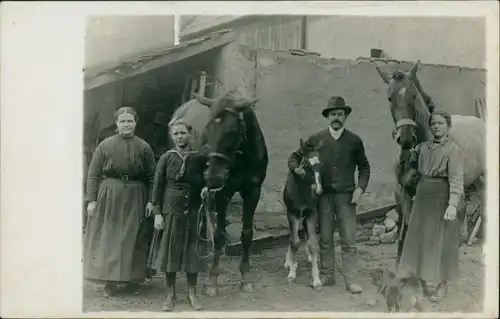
x=410 y=109
x=233 y=141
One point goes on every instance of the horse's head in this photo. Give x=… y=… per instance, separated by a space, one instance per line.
x=311 y=162
x=224 y=135
x=402 y=93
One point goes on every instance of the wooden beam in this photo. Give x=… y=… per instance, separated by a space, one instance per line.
x=270 y=240
x=374 y=213
x=164 y=60
x=474 y=231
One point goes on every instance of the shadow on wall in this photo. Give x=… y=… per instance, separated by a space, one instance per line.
x=293 y=90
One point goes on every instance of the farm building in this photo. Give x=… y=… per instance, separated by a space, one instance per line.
x=158 y=82
x=292 y=89
x=449 y=41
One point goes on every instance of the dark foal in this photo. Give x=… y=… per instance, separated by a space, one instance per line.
x=237 y=162
x=300 y=196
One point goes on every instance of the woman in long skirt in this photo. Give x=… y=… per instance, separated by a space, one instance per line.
x=177 y=246
x=119 y=185
x=430 y=250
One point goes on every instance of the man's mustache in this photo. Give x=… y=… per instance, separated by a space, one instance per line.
x=338 y=122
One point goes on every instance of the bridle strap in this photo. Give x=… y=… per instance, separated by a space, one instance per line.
x=219 y=155
x=405 y=122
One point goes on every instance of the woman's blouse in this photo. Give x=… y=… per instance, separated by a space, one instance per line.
x=441 y=159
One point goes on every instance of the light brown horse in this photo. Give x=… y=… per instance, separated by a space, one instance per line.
x=407 y=102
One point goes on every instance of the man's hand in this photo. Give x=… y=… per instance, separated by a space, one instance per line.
x=357 y=195
x=299 y=171
x=318 y=189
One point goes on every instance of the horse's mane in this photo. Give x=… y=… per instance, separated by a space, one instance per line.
x=255 y=144
x=422 y=113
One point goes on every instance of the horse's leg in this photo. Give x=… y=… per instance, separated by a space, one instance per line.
x=404 y=206
x=220 y=240
x=250 y=198
x=294 y=245
x=313 y=248
x=306 y=233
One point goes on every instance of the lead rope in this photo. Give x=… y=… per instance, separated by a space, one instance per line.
x=406 y=162
x=204 y=212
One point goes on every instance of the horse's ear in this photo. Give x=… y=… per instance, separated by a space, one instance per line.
x=384 y=75
x=321 y=142
x=203 y=100
x=414 y=69
x=245 y=103
x=301 y=143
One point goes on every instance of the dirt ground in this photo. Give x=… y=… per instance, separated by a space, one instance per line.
x=274 y=293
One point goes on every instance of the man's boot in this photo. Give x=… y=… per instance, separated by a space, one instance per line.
x=169 y=301
x=192 y=298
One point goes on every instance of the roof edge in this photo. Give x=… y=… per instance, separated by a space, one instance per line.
x=157 y=59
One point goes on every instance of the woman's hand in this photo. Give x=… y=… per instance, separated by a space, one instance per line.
x=204 y=192
x=158 y=224
x=149 y=209
x=450 y=213
x=91 y=208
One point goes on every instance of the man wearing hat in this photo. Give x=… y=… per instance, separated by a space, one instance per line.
x=341 y=153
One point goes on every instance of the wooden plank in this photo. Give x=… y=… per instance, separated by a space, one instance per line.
x=374 y=213
x=164 y=60
x=474 y=231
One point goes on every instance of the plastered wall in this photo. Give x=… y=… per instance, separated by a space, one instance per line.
x=293 y=90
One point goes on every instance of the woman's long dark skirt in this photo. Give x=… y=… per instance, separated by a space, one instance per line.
x=430 y=250
x=118 y=235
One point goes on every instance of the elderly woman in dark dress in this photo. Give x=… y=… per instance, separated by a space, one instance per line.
x=178 y=184
x=119 y=184
x=430 y=250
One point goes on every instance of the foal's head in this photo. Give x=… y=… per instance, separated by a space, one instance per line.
x=311 y=161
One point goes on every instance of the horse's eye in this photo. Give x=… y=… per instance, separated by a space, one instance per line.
x=389 y=98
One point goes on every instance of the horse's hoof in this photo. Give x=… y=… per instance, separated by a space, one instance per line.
x=291 y=280
x=247 y=288
x=317 y=287
x=211 y=291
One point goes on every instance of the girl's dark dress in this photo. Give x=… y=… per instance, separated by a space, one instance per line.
x=177 y=188
x=117 y=238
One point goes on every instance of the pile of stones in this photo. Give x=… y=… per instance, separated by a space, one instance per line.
x=380 y=230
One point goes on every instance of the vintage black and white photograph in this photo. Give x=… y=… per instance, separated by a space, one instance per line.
x=284 y=163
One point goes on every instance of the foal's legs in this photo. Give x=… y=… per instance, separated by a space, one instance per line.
x=313 y=248
x=294 y=245
x=250 y=198
x=306 y=233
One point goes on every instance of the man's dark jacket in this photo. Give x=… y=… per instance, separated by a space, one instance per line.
x=339 y=159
